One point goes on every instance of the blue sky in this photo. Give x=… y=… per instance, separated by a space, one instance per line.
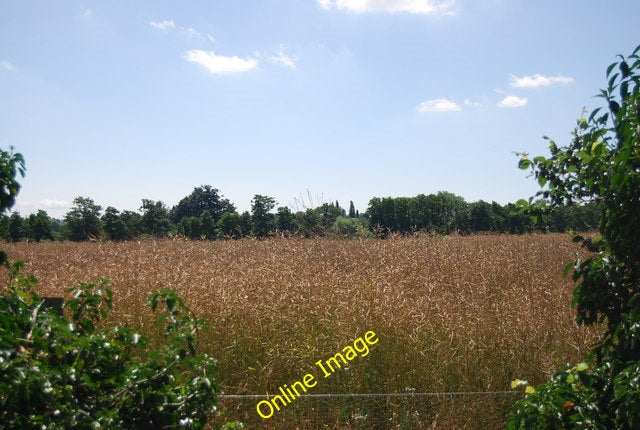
x=337 y=99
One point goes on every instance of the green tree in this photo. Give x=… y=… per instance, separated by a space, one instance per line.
x=208 y=225
x=155 y=218
x=40 y=226
x=11 y=165
x=190 y=227
x=203 y=198
x=113 y=226
x=17 y=228
x=310 y=223
x=132 y=222
x=245 y=224
x=261 y=207
x=285 y=219
x=352 y=210
x=601 y=164
x=230 y=225
x=83 y=220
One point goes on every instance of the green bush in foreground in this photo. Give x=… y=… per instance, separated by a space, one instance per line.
x=602 y=164
x=58 y=372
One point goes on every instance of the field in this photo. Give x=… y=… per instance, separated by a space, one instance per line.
x=452 y=314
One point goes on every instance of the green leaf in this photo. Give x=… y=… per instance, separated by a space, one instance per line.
x=524 y=163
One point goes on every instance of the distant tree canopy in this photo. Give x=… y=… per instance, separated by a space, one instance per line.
x=446 y=213
x=83 y=220
x=203 y=198
x=205 y=214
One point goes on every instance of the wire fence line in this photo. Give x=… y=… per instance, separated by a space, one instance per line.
x=410 y=410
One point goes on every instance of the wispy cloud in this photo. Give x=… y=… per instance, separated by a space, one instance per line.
x=283 y=59
x=8 y=66
x=167 y=24
x=512 y=102
x=390 y=6
x=438 y=105
x=538 y=80
x=170 y=25
x=218 y=64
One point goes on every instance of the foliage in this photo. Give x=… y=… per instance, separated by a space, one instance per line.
x=17 y=229
x=67 y=372
x=229 y=225
x=285 y=220
x=601 y=164
x=261 y=216
x=83 y=220
x=40 y=226
x=350 y=228
x=155 y=218
x=114 y=226
x=208 y=225
x=11 y=164
x=202 y=198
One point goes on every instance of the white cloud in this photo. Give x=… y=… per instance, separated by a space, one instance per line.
x=170 y=25
x=54 y=204
x=218 y=64
x=538 y=80
x=8 y=66
x=283 y=59
x=468 y=102
x=191 y=32
x=389 y=6
x=167 y=24
x=512 y=102
x=438 y=105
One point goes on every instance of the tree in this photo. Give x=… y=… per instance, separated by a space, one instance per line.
x=114 y=227
x=208 y=225
x=17 y=228
x=203 y=198
x=190 y=227
x=230 y=225
x=83 y=220
x=310 y=223
x=601 y=164
x=285 y=219
x=352 y=210
x=40 y=226
x=155 y=218
x=11 y=164
x=245 y=224
x=132 y=222
x=261 y=207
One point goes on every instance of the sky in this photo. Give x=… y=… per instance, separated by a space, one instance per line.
x=306 y=101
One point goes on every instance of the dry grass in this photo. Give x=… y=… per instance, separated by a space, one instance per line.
x=452 y=313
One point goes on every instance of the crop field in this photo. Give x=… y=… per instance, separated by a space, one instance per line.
x=450 y=314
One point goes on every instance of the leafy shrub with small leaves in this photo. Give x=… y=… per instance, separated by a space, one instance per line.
x=602 y=164
x=71 y=372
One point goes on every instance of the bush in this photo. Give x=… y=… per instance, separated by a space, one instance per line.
x=64 y=372
x=602 y=165
x=350 y=228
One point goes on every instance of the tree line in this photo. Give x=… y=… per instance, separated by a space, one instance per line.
x=206 y=214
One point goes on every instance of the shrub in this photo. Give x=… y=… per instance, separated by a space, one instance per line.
x=602 y=164
x=61 y=371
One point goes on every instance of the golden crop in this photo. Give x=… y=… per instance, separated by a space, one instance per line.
x=452 y=313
